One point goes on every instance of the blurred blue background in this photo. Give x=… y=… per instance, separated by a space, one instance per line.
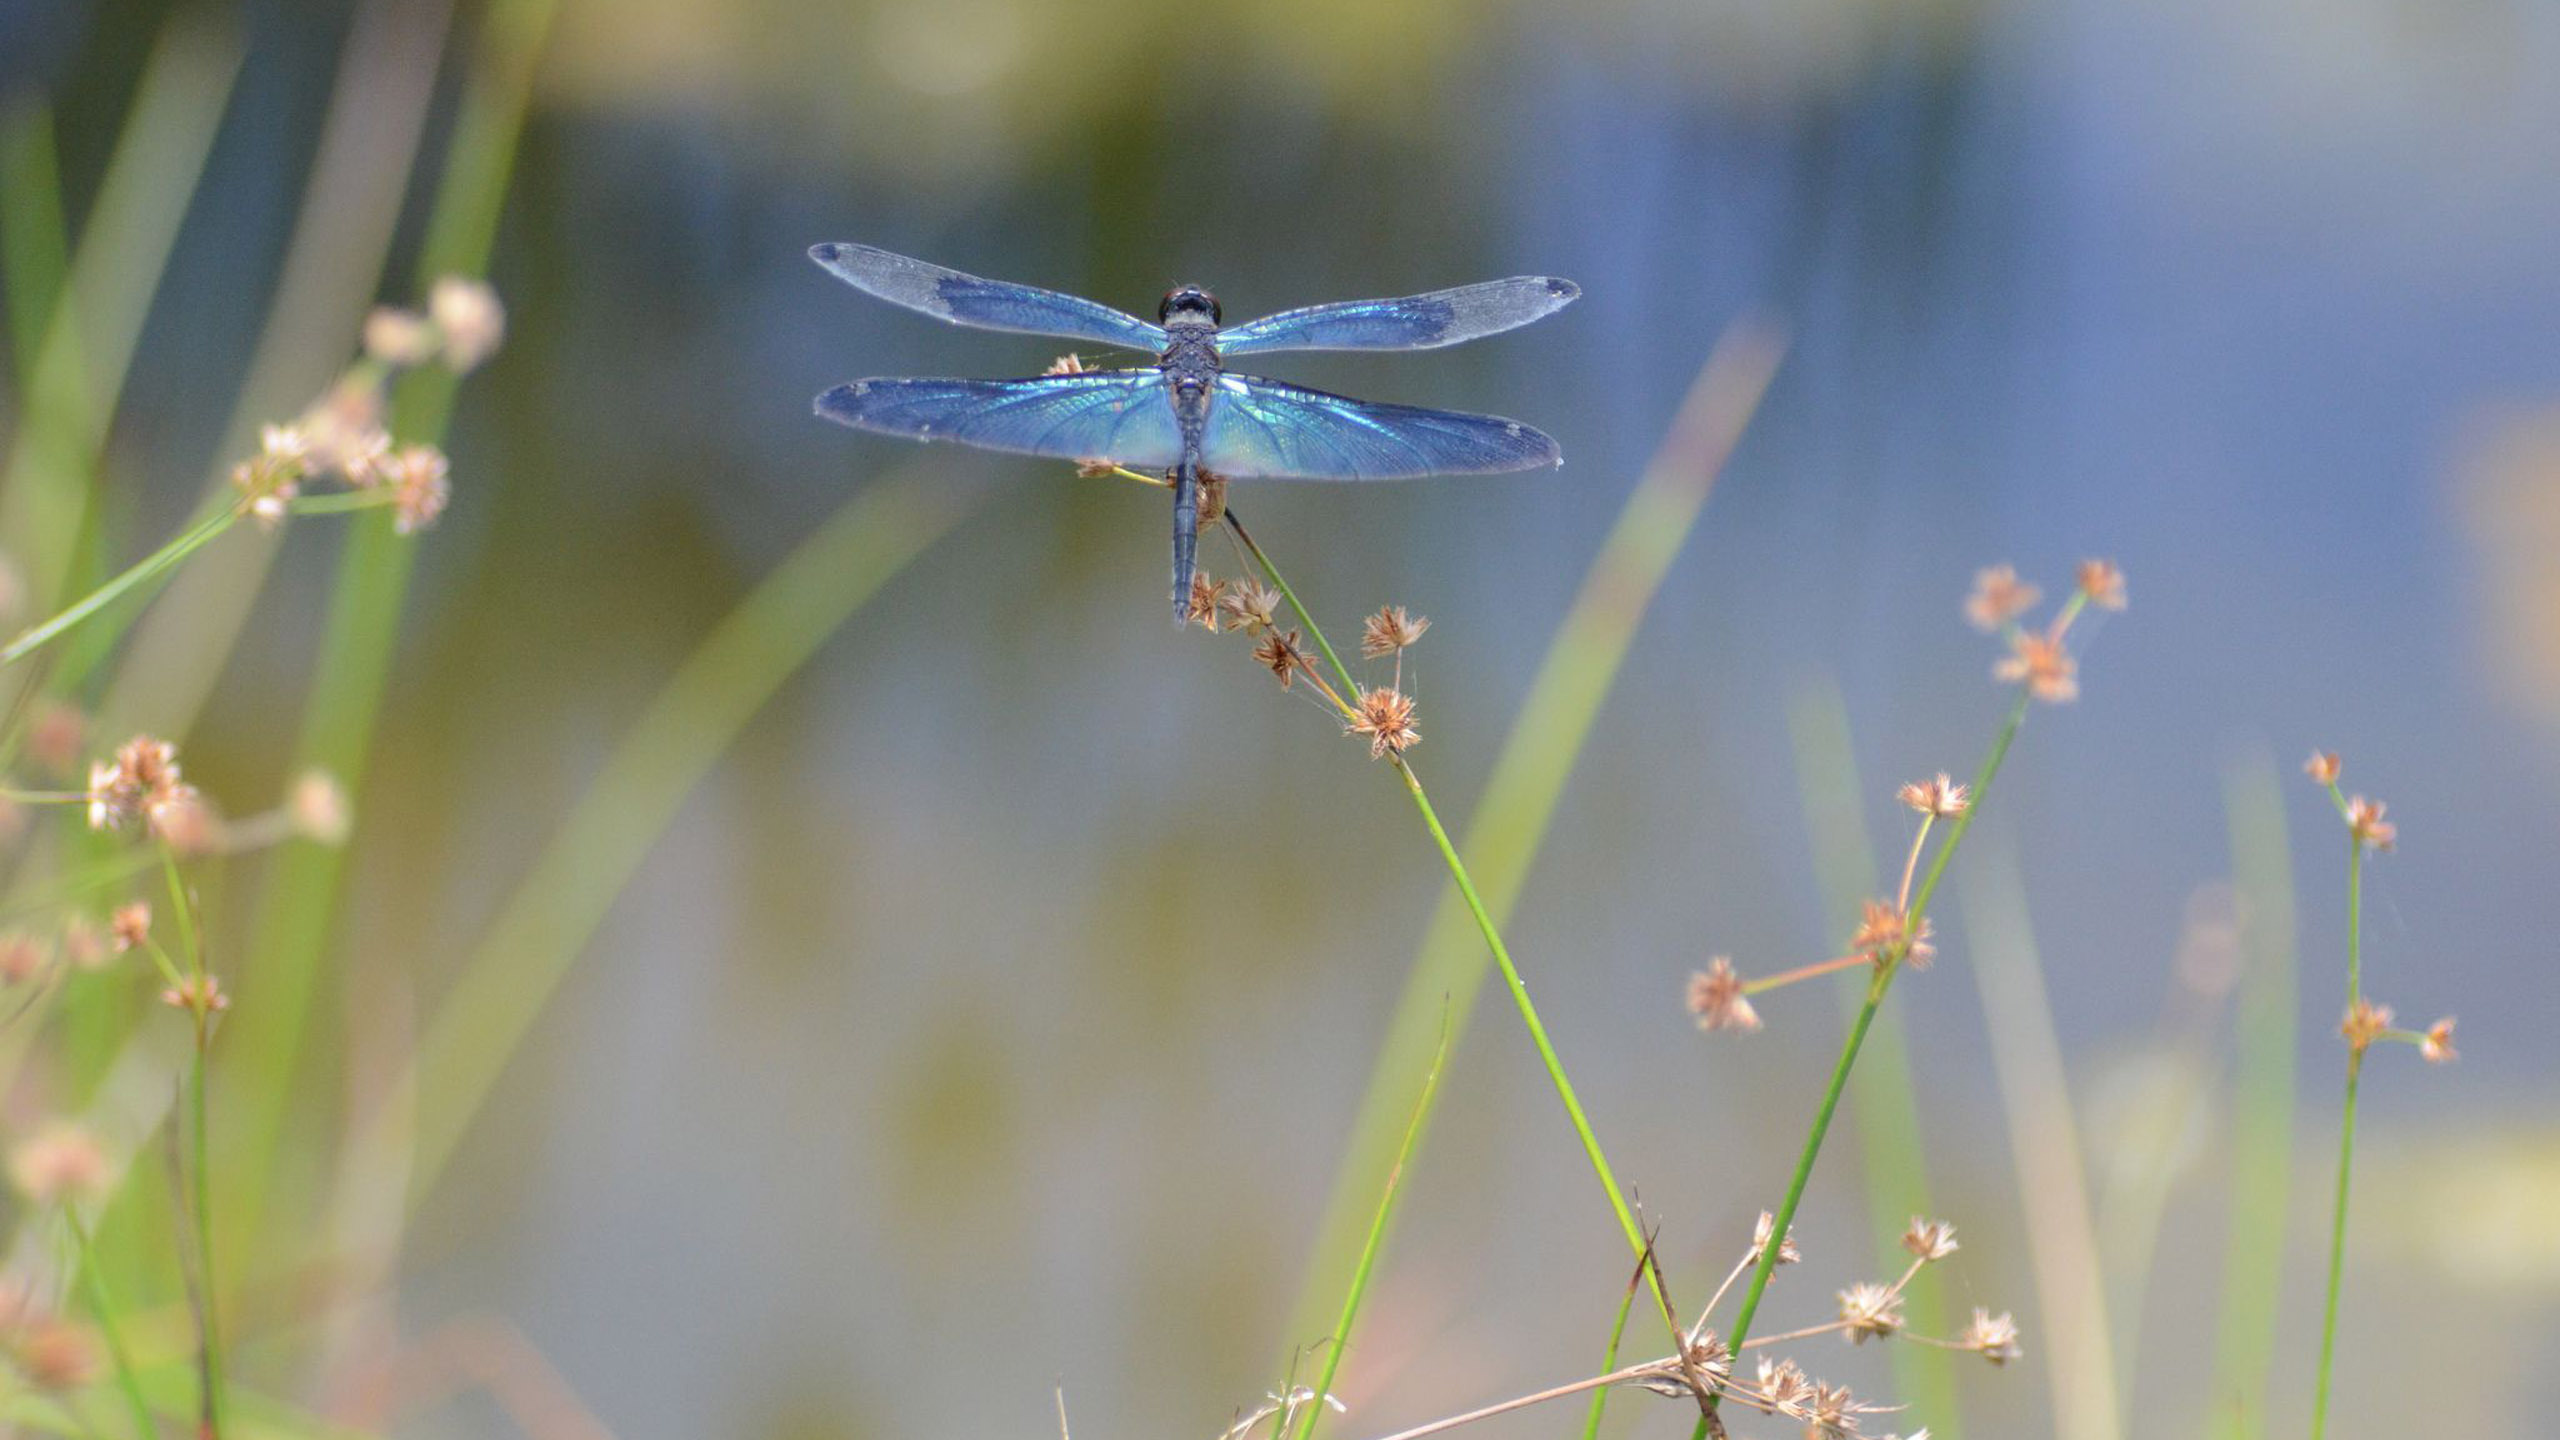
x=991 y=1021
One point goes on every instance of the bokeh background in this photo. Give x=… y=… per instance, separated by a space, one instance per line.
x=991 y=1019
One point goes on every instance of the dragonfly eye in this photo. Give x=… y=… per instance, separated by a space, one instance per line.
x=1190 y=300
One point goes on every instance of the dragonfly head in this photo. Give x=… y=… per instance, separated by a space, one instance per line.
x=1187 y=300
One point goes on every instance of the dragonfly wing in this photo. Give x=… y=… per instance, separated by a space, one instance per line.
x=1265 y=428
x=1119 y=415
x=1416 y=322
x=984 y=304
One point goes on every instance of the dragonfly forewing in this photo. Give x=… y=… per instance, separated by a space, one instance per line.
x=984 y=304
x=1414 y=322
x=1096 y=415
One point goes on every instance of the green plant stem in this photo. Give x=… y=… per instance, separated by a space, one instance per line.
x=2346 y=1136
x=200 y=1173
x=1609 y=1356
x=1376 y=1241
x=1749 y=1306
x=93 y=1286
x=159 y=562
x=200 y=1186
x=1475 y=907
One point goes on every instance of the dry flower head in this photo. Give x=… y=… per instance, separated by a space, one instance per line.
x=469 y=318
x=2102 y=583
x=1999 y=597
x=1389 y=631
x=1870 y=1311
x=1200 y=607
x=1281 y=654
x=2365 y=1023
x=2365 y=823
x=1385 y=715
x=1716 y=998
x=2322 y=767
x=1994 y=1337
x=2039 y=662
x=1930 y=1239
x=2436 y=1047
x=60 y=1163
x=1883 y=933
x=130 y=926
x=1941 y=796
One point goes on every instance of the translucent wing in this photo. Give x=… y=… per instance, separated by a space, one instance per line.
x=1120 y=415
x=1265 y=428
x=1416 y=322
x=984 y=304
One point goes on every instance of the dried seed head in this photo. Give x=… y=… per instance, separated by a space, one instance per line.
x=1281 y=654
x=1871 y=1311
x=2365 y=1023
x=1883 y=931
x=130 y=927
x=1097 y=469
x=2322 y=767
x=2437 y=1047
x=184 y=821
x=57 y=1355
x=1068 y=364
x=418 y=476
x=1941 y=796
x=1783 y=1385
x=198 y=994
x=2365 y=822
x=141 y=778
x=319 y=808
x=1200 y=607
x=2041 y=663
x=268 y=480
x=1716 y=998
x=2103 y=583
x=1386 y=717
x=1251 y=606
x=1788 y=1254
x=58 y=737
x=469 y=318
x=60 y=1163
x=1389 y=631
x=1930 y=1239
x=1999 y=597
x=22 y=957
x=1994 y=1337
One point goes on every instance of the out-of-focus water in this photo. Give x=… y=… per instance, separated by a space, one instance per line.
x=991 y=1020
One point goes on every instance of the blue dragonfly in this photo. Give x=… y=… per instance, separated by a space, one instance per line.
x=1185 y=414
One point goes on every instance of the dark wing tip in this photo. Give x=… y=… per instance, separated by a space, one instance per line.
x=1564 y=291
x=826 y=254
x=837 y=403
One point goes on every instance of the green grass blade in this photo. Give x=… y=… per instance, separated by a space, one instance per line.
x=2261 y=1139
x=570 y=888
x=332 y=267
x=1884 y=1098
x=2044 y=1145
x=96 y=324
x=35 y=240
x=1520 y=795
x=1377 y=1240
x=301 y=897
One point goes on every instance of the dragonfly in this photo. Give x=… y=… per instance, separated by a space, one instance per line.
x=1186 y=415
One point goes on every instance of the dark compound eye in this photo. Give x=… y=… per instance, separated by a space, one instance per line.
x=1164 y=307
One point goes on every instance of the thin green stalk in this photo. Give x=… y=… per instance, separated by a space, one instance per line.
x=1749 y=1306
x=200 y=1174
x=2346 y=1135
x=150 y=567
x=1475 y=907
x=299 y=903
x=200 y=1187
x=1884 y=1100
x=1377 y=1241
x=1609 y=1356
x=159 y=562
x=93 y=1286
